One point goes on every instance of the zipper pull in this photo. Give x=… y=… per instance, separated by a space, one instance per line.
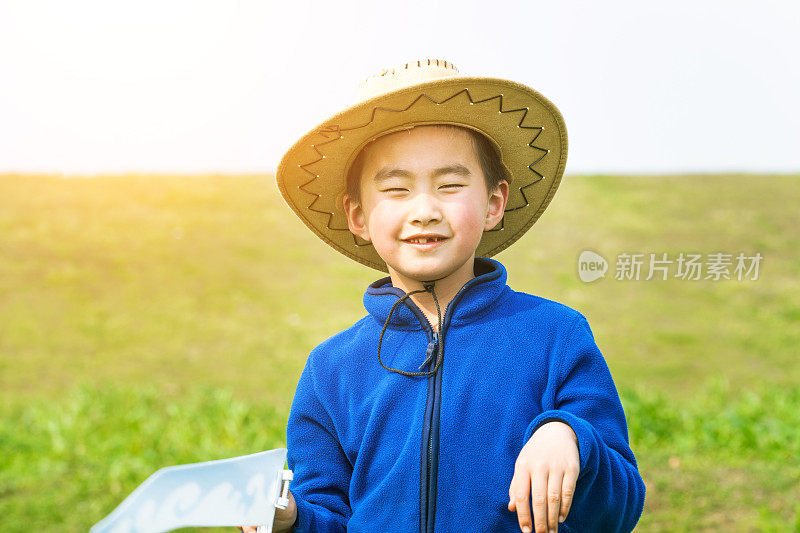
x=431 y=351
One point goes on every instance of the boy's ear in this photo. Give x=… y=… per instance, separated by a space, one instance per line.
x=356 y=220
x=497 y=205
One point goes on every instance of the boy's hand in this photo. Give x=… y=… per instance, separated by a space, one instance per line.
x=548 y=465
x=283 y=521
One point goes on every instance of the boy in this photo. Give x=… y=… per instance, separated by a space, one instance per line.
x=512 y=420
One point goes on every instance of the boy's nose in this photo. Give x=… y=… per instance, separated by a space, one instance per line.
x=425 y=209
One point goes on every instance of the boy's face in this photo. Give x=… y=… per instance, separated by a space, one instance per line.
x=426 y=180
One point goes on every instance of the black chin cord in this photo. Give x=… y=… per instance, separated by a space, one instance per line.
x=428 y=287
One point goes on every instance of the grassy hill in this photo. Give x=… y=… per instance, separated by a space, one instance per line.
x=154 y=320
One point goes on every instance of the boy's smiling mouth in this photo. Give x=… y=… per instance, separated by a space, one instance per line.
x=424 y=237
x=425 y=241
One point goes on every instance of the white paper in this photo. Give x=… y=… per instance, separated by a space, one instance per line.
x=241 y=491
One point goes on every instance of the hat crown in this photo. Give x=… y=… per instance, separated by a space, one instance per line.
x=404 y=75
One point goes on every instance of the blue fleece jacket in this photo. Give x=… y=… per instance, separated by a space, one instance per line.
x=374 y=450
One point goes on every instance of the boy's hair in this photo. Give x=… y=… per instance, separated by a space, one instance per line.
x=491 y=164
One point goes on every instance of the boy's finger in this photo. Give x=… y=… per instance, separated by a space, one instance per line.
x=567 y=492
x=554 y=484
x=539 y=497
x=520 y=496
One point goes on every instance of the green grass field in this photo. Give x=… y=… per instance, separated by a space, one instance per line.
x=147 y=321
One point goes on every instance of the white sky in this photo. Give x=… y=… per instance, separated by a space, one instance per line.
x=228 y=86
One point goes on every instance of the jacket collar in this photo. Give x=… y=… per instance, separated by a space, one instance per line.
x=475 y=297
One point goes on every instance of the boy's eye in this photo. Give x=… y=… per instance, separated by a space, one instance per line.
x=399 y=189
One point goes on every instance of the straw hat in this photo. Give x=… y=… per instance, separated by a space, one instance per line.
x=527 y=129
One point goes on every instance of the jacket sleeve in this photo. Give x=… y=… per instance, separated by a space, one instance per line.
x=321 y=470
x=609 y=494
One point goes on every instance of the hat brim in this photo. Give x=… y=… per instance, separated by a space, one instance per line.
x=526 y=127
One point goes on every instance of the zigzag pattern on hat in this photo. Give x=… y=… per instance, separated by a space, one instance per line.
x=335 y=132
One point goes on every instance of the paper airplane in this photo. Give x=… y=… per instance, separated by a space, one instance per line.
x=241 y=491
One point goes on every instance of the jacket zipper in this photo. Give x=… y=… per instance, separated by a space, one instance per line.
x=427 y=481
x=434 y=387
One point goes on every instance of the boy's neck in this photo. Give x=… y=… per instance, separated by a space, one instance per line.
x=445 y=289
